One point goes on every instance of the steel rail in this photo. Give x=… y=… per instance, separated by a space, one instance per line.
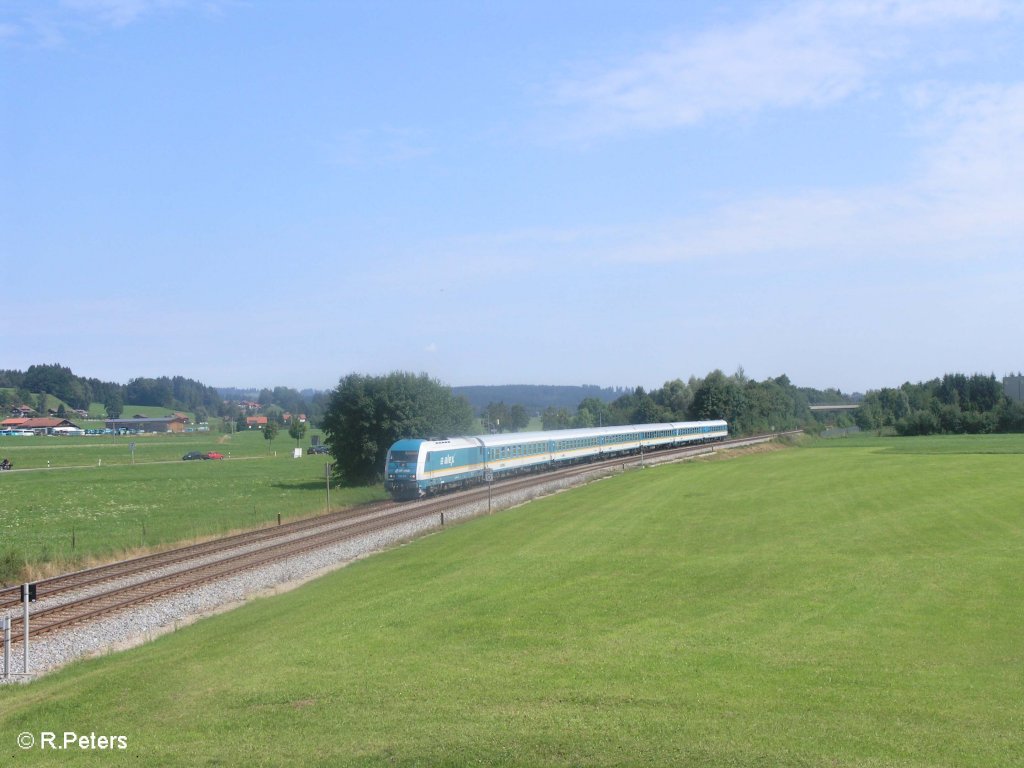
x=11 y=596
x=320 y=532
x=49 y=619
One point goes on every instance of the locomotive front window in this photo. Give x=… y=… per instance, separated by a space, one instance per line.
x=409 y=456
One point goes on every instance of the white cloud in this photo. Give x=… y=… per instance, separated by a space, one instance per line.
x=964 y=204
x=809 y=54
x=49 y=23
x=117 y=13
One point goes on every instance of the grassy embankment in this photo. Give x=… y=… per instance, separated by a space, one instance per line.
x=93 y=504
x=849 y=604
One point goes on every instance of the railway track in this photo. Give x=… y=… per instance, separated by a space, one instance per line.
x=46 y=588
x=199 y=564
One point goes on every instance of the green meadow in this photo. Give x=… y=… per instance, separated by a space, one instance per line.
x=850 y=603
x=81 y=499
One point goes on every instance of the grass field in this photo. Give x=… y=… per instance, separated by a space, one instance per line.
x=854 y=603
x=93 y=503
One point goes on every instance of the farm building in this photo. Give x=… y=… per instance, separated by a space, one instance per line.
x=42 y=426
x=144 y=424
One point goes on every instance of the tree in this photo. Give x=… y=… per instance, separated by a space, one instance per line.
x=675 y=397
x=718 y=397
x=496 y=417
x=518 y=418
x=270 y=432
x=366 y=415
x=114 y=405
x=297 y=429
x=25 y=397
x=592 y=412
x=556 y=418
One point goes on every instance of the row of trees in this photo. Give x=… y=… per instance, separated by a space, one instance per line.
x=34 y=386
x=176 y=393
x=749 y=406
x=31 y=386
x=954 y=404
x=365 y=415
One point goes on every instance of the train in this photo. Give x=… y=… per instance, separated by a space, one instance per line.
x=419 y=467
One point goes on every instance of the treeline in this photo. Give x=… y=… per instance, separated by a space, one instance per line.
x=954 y=404
x=534 y=398
x=175 y=393
x=367 y=414
x=749 y=406
x=39 y=380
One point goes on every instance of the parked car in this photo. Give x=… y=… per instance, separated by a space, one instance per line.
x=317 y=449
x=214 y=455
x=193 y=456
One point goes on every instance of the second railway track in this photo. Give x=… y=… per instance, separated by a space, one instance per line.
x=132 y=582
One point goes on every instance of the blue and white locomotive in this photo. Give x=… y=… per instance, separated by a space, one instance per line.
x=417 y=467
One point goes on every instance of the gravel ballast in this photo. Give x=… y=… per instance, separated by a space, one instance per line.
x=144 y=622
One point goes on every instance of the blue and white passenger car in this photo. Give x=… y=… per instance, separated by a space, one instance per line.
x=417 y=467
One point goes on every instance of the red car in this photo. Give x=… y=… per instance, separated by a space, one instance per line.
x=214 y=455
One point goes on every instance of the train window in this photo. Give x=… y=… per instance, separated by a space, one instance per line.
x=403 y=456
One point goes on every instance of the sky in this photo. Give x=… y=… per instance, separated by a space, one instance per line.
x=261 y=193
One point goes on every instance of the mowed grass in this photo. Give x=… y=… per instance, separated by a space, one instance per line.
x=815 y=606
x=52 y=452
x=84 y=511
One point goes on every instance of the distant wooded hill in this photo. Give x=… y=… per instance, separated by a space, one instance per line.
x=536 y=398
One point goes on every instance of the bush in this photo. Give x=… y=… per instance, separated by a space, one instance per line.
x=917 y=423
x=12 y=567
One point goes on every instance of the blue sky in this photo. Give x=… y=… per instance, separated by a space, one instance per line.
x=613 y=193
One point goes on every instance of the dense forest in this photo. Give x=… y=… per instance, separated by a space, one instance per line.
x=748 y=405
x=178 y=393
x=535 y=398
x=954 y=404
